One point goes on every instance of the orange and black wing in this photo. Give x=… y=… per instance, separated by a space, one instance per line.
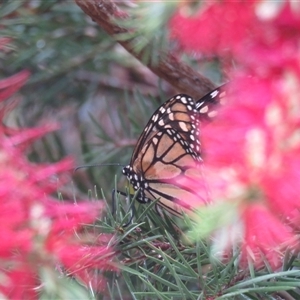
x=178 y=113
x=207 y=106
x=166 y=162
x=167 y=151
x=166 y=171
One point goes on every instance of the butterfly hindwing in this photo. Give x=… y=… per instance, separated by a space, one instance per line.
x=159 y=172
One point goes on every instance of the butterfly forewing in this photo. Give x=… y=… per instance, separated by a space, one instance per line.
x=178 y=113
x=207 y=106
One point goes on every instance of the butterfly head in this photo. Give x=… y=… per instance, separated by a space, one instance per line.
x=137 y=183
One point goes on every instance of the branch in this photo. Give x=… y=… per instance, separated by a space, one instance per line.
x=178 y=74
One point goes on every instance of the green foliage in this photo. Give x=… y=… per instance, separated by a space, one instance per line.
x=58 y=287
x=213 y=217
x=157 y=264
x=151 y=38
x=53 y=40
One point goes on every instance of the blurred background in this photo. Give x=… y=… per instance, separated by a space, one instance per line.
x=101 y=96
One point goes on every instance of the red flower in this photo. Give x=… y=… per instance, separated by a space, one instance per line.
x=251 y=150
x=265 y=236
x=243 y=32
x=218 y=27
x=37 y=231
x=251 y=154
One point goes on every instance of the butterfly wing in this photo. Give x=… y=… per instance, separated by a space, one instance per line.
x=168 y=171
x=208 y=104
x=178 y=113
x=166 y=162
x=168 y=151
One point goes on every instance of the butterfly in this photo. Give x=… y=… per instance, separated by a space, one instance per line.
x=166 y=160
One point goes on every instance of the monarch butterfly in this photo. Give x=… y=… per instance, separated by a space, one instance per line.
x=168 y=153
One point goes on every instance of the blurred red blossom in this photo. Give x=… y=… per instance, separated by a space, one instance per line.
x=252 y=149
x=216 y=27
x=265 y=234
x=37 y=230
x=259 y=35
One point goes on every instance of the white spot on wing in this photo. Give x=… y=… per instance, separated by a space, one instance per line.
x=154 y=118
x=214 y=94
x=183 y=126
x=183 y=100
x=155 y=141
x=161 y=123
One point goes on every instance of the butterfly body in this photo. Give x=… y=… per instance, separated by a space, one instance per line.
x=166 y=162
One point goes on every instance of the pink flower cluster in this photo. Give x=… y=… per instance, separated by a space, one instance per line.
x=38 y=231
x=252 y=149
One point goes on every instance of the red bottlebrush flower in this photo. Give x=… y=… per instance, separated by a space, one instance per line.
x=251 y=150
x=244 y=112
x=216 y=28
x=275 y=45
x=10 y=85
x=37 y=231
x=265 y=235
x=4 y=41
x=244 y=32
x=251 y=153
x=84 y=263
